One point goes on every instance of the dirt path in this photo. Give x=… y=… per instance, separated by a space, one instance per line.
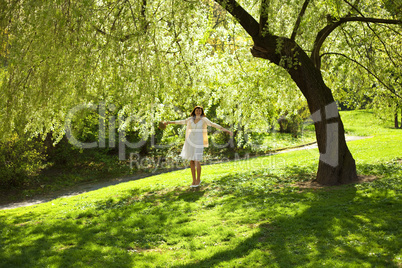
x=74 y=190
x=83 y=188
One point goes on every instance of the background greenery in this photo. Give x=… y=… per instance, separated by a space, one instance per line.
x=135 y=63
x=34 y=168
x=104 y=70
x=156 y=60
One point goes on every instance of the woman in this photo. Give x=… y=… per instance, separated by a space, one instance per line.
x=196 y=140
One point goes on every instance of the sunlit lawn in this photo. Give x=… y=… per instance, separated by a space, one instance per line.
x=247 y=213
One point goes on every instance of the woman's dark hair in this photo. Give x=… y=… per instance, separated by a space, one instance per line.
x=198 y=107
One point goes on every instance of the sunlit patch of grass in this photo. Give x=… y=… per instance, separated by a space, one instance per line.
x=363 y=123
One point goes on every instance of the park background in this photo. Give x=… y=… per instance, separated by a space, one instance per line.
x=107 y=72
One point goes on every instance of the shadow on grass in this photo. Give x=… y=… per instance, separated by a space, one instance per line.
x=340 y=226
x=106 y=234
x=348 y=225
x=323 y=232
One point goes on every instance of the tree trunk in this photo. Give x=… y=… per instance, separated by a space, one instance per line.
x=396 y=118
x=336 y=164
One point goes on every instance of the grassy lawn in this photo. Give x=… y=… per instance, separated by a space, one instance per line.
x=247 y=213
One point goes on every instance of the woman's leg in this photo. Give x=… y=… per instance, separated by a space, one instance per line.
x=192 y=166
x=198 y=163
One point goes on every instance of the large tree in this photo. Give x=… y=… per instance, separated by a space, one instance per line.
x=336 y=164
x=143 y=55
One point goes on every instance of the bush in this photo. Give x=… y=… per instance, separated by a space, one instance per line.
x=20 y=160
x=292 y=123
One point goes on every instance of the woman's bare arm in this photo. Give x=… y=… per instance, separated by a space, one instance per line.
x=218 y=126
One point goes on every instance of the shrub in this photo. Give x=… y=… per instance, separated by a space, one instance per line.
x=20 y=160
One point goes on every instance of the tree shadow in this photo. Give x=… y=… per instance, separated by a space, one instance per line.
x=128 y=226
x=316 y=233
x=293 y=226
x=338 y=219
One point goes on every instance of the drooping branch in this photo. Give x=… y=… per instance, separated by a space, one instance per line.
x=392 y=90
x=383 y=44
x=354 y=8
x=132 y=13
x=247 y=21
x=116 y=18
x=371 y=28
x=142 y=28
x=299 y=18
x=264 y=16
x=324 y=33
x=121 y=39
x=143 y=16
x=177 y=41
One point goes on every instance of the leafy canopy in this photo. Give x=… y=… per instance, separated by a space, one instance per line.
x=157 y=59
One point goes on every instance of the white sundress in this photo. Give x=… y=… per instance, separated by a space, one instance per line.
x=194 y=144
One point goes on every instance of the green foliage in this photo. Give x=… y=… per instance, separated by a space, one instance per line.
x=20 y=161
x=363 y=66
x=87 y=61
x=86 y=126
x=394 y=7
x=155 y=60
x=158 y=59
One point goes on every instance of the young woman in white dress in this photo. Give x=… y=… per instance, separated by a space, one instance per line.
x=196 y=140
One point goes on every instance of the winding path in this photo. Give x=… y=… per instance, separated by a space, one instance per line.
x=83 y=188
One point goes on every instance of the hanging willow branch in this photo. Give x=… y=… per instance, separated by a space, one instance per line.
x=299 y=18
x=392 y=90
x=324 y=33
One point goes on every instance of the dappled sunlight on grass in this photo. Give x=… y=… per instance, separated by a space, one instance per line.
x=240 y=220
x=247 y=213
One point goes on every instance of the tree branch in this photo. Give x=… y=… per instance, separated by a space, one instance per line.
x=393 y=91
x=235 y=51
x=353 y=7
x=298 y=21
x=132 y=14
x=383 y=44
x=371 y=28
x=121 y=39
x=324 y=33
x=243 y=17
x=116 y=17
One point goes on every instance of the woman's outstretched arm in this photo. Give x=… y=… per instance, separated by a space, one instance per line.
x=209 y=123
x=177 y=122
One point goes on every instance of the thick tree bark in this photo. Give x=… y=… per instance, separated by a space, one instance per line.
x=336 y=164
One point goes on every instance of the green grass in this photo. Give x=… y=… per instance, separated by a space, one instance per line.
x=364 y=123
x=248 y=213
